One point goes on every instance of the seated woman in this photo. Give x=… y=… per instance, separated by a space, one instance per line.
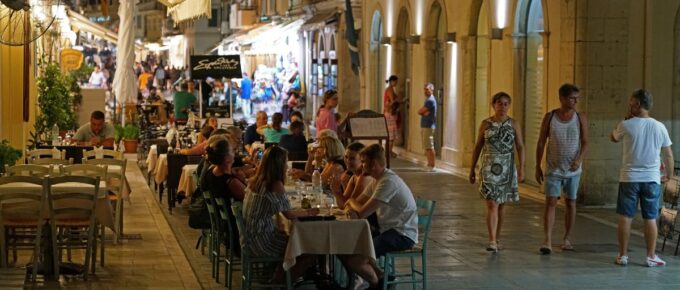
x=273 y=132
x=295 y=142
x=212 y=122
x=265 y=198
x=326 y=154
x=352 y=182
x=199 y=148
x=220 y=179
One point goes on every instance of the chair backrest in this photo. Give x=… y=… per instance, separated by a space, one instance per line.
x=73 y=197
x=30 y=202
x=175 y=164
x=45 y=153
x=425 y=211
x=90 y=170
x=28 y=170
x=237 y=210
x=115 y=174
x=52 y=161
x=671 y=191
x=225 y=220
x=212 y=212
x=104 y=153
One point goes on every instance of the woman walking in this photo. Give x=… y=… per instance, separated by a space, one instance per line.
x=391 y=105
x=498 y=137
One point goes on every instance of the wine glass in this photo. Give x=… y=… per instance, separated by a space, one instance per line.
x=330 y=203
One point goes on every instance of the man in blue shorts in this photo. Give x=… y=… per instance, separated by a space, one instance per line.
x=644 y=139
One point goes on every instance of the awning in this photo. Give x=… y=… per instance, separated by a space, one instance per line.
x=266 y=34
x=81 y=22
x=188 y=10
x=319 y=20
x=170 y=3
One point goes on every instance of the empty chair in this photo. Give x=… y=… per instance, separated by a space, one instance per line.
x=28 y=170
x=22 y=208
x=72 y=202
x=115 y=182
x=52 y=153
x=51 y=161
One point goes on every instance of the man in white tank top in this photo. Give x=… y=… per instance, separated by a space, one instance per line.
x=566 y=132
x=644 y=139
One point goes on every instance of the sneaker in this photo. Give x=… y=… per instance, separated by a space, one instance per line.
x=623 y=260
x=492 y=247
x=655 y=261
x=499 y=246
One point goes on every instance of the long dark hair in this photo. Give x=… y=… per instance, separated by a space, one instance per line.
x=272 y=168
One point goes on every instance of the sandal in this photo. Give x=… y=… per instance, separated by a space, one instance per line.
x=492 y=247
x=567 y=246
x=545 y=250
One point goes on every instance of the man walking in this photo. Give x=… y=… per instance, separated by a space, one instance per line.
x=428 y=117
x=644 y=139
x=567 y=135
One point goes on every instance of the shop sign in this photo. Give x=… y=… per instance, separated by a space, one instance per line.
x=71 y=59
x=215 y=66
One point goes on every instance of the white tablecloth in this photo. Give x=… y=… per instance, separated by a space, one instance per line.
x=152 y=158
x=341 y=237
x=161 y=169
x=103 y=210
x=187 y=183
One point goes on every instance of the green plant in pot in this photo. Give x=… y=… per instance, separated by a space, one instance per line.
x=118 y=133
x=8 y=155
x=55 y=100
x=130 y=138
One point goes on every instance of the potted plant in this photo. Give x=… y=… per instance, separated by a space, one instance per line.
x=130 y=138
x=8 y=155
x=55 y=100
x=118 y=133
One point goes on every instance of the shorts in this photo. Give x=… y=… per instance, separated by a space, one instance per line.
x=646 y=193
x=554 y=186
x=426 y=138
x=391 y=241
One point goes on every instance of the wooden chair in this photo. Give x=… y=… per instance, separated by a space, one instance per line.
x=105 y=153
x=214 y=235
x=175 y=164
x=418 y=251
x=116 y=183
x=28 y=170
x=668 y=215
x=249 y=261
x=52 y=153
x=73 y=205
x=51 y=161
x=28 y=215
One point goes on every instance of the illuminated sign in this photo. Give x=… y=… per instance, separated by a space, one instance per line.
x=215 y=66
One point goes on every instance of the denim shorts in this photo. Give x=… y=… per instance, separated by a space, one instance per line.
x=391 y=241
x=646 y=193
x=554 y=186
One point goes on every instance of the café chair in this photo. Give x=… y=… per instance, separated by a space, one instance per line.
x=105 y=153
x=668 y=214
x=29 y=215
x=230 y=242
x=116 y=183
x=250 y=262
x=419 y=250
x=45 y=153
x=213 y=235
x=28 y=170
x=72 y=203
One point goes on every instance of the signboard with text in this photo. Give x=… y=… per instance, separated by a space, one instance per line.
x=215 y=66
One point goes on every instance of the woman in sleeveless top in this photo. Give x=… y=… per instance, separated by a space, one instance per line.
x=390 y=110
x=497 y=139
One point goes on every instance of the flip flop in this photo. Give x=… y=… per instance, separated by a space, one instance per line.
x=545 y=250
x=567 y=247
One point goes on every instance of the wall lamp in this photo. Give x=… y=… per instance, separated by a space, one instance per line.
x=386 y=41
x=413 y=39
x=451 y=37
x=497 y=33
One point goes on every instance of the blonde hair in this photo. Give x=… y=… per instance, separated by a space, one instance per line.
x=333 y=146
x=272 y=168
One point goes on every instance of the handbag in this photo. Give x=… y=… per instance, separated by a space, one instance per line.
x=199 y=217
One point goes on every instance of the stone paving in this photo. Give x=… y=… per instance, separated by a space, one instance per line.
x=165 y=258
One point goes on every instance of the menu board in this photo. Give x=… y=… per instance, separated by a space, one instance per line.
x=373 y=127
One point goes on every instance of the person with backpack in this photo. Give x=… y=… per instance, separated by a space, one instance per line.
x=566 y=133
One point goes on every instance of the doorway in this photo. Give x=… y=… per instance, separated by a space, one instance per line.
x=402 y=66
x=482 y=100
x=436 y=40
x=376 y=63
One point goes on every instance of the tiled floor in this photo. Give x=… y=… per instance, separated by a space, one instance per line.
x=165 y=258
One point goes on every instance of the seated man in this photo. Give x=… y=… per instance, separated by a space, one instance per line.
x=251 y=135
x=183 y=101
x=295 y=142
x=95 y=133
x=391 y=199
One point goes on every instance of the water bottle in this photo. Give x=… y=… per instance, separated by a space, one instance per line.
x=316 y=179
x=55 y=135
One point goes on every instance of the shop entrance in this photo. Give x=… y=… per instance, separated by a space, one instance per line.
x=482 y=100
x=436 y=40
x=402 y=66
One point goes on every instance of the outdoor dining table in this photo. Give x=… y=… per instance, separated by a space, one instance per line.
x=187 y=183
x=161 y=169
x=152 y=158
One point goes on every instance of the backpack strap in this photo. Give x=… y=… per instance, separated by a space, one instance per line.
x=552 y=114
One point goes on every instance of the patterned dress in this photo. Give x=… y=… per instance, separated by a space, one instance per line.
x=262 y=236
x=498 y=176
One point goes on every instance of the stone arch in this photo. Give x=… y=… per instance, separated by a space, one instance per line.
x=402 y=67
x=435 y=46
x=376 y=65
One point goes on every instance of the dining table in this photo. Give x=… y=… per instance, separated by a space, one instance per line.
x=187 y=181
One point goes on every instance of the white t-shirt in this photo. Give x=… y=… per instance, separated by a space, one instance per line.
x=398 y=210
x=643 y=139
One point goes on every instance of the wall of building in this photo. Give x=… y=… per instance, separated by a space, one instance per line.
x=607 y=47
x=12 y=126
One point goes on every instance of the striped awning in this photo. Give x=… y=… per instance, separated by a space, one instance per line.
x=188 y=10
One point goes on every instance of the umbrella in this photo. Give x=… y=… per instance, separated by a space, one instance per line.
x=124 y=80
